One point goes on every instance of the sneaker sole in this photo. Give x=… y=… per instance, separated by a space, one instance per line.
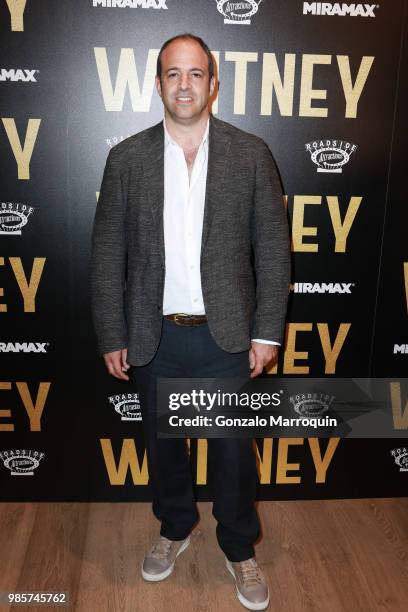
x=261 y=605
x=168 y=571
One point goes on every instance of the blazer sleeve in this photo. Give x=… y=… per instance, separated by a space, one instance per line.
x=271 y=248
x=108 y=261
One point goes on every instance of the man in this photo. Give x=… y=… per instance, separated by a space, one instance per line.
x=190 y=278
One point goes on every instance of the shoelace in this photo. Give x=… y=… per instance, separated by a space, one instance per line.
x=162 y=548
x=251 y=573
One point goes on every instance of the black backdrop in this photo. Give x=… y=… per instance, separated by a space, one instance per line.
x=77 y=78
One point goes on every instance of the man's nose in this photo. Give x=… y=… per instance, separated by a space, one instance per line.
x=185 y=81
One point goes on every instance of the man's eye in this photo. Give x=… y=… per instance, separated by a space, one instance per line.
x=197 y=74
x=172 y=74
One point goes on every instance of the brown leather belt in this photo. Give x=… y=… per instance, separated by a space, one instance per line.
x=181 y=318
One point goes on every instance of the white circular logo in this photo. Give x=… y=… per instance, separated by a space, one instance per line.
x=330 y=157
x=237 y=10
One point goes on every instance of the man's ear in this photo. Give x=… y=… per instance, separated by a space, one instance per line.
x=158 y=85
x=212 y=85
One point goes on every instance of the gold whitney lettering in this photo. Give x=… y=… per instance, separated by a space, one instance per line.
x=341 y=228
x=330 y=347
x=34 y=406
x=277 y=75
x=400 y=414
x=28 y=287
x=282 y=472
x=16 y=8
x=22 y=152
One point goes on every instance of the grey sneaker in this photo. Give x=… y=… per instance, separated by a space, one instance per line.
x=161 y=557
x=252 y=590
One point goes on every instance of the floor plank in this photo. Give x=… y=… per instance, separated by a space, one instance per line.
x=320 y=556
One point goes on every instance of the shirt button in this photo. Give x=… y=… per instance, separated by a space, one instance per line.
x=195 y=300
x=192 y=267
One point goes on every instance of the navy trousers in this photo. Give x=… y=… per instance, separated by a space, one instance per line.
x=186 y=352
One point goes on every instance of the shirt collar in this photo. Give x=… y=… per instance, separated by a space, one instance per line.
x=169 y=140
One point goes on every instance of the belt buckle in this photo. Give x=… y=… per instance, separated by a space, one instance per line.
x=179 y=314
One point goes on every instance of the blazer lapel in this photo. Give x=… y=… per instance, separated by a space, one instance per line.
x=218 y=150
x=153 y=171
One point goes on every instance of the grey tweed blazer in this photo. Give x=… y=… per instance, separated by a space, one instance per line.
x=245 y=251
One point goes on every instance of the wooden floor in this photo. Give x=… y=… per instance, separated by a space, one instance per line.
x=339 y=555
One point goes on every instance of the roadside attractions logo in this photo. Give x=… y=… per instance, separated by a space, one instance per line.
x=401 y=458
x=238 y=12
x=112 y=141
x=13 y=217
x=127 y=405
x=21 y=462
x=330 y=155
x=311 y=404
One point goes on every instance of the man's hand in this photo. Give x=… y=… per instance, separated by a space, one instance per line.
x=117 y=364
x=260 y=355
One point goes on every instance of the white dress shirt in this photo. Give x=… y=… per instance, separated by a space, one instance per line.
x=183 y=223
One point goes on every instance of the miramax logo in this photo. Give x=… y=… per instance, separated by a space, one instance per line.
x=321 y=287
x=24 y=347
x=342 y=9
x=18 y=74
x=238 y=12
x=144 y=4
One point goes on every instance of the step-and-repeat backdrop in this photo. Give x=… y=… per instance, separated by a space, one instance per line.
x=323 y=84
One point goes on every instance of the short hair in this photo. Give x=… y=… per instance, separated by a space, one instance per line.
x=187 y=36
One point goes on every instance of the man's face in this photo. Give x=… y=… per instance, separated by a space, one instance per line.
x=185 y=85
